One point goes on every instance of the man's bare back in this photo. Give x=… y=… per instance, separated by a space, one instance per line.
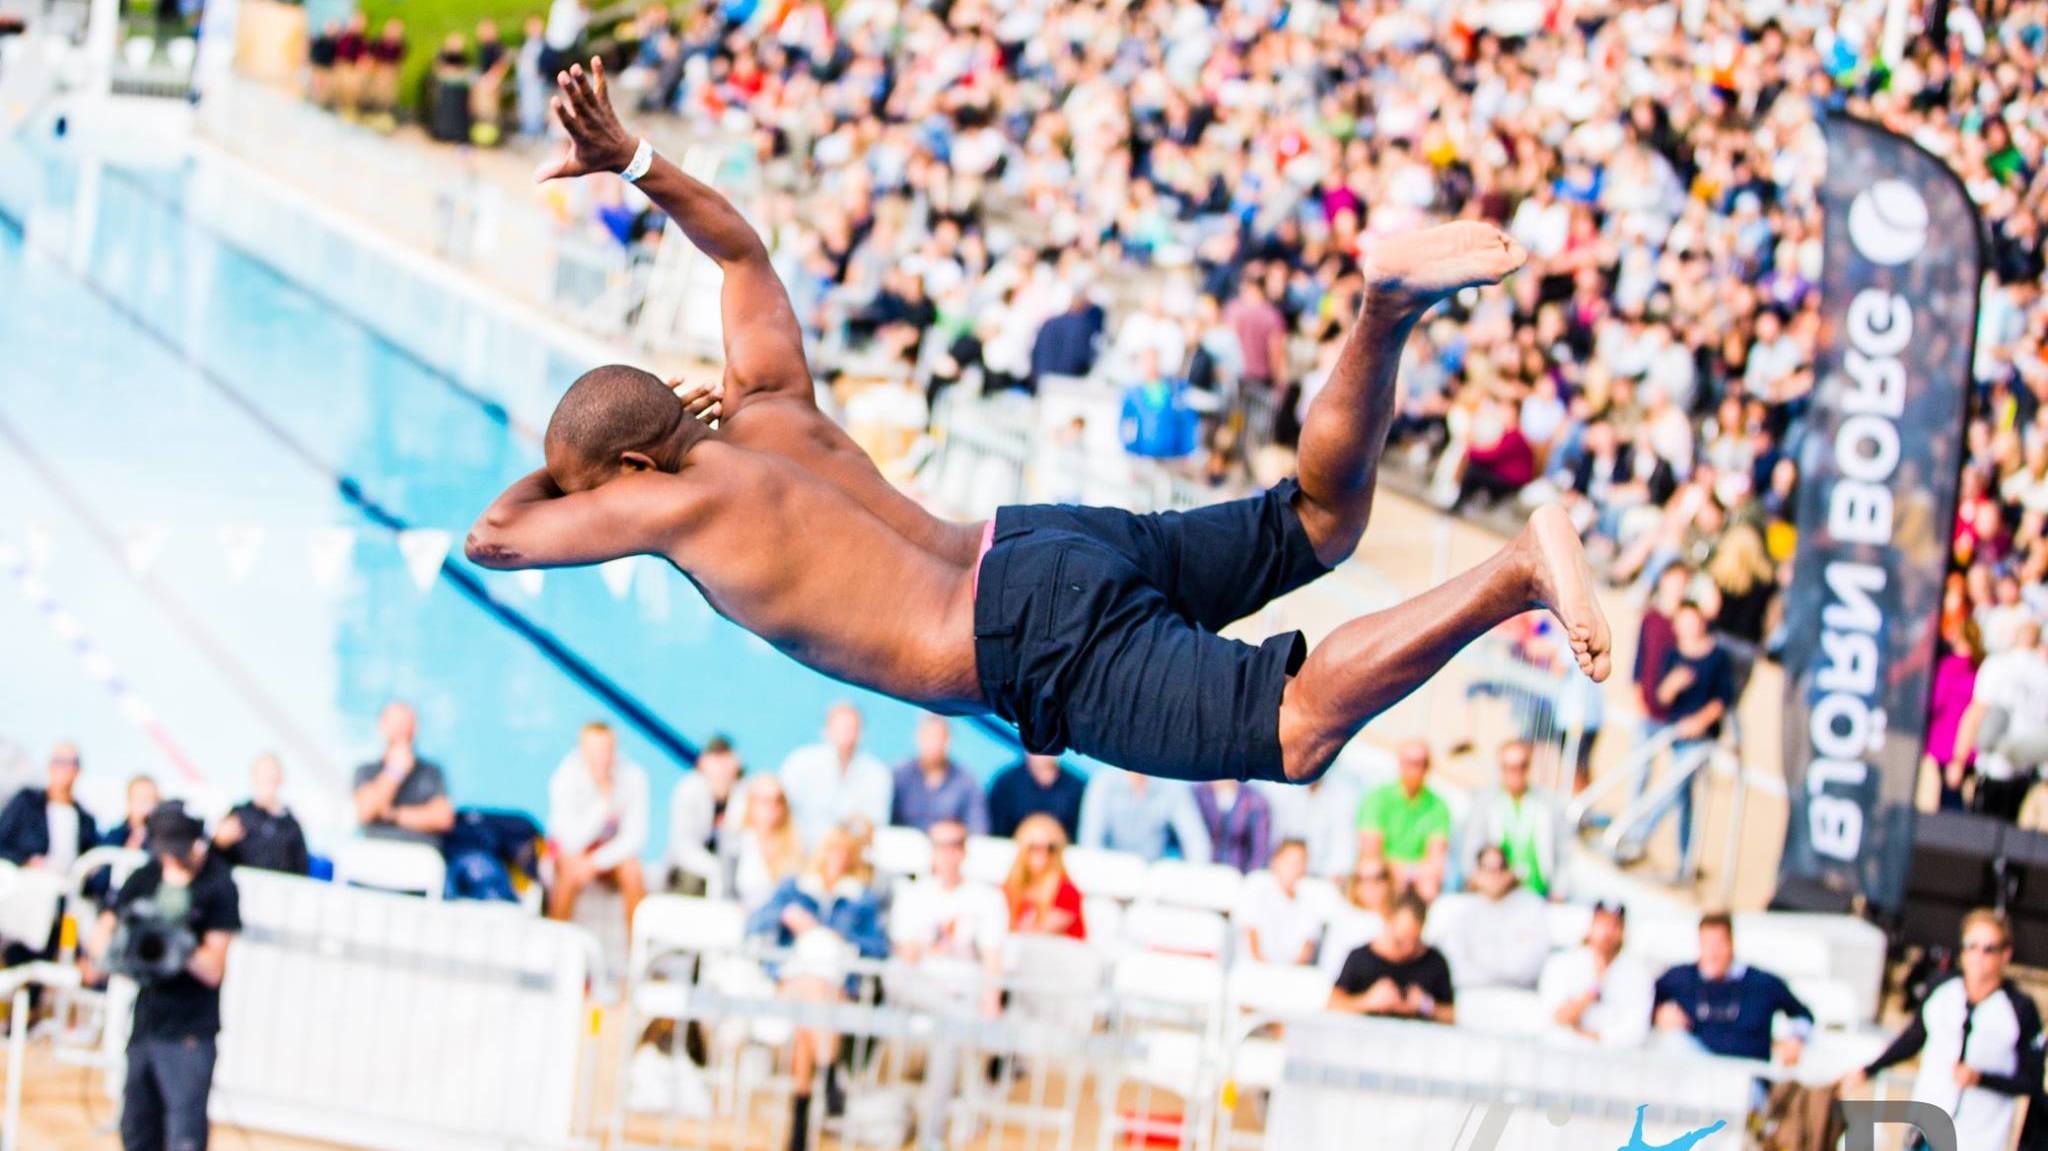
x=1091 y=628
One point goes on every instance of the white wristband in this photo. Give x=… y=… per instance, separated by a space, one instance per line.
x=643 y=159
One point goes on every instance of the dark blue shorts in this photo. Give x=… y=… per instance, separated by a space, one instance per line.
x=1095 y=629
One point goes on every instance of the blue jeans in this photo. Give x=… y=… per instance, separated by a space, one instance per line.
x=1686 y=755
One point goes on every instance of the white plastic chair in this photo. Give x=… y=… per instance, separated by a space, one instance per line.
x=1567 y=923
x=1832 y=1001
x=989 y=859
x=137 y=51
x=391 y=865
x=1111 y=874
x=901 y=852
x=669 y=927
x=1104 y=919
x=1205 y=886
x=181 y=52
x=1169 y=1008
x=1259 y=996
x=1182 y=930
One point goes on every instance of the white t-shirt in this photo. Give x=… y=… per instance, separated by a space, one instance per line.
x=2018 y=682
x=1285 y=925
x=64 y=845
x=1621 y=1016
x=967 y=921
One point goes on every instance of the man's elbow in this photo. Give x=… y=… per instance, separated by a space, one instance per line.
x=487 y=547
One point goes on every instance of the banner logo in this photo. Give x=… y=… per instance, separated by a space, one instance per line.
x=1888 y=223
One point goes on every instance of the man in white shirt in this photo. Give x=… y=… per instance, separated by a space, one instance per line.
x=831 y=782
x=2007 y=722
x=703 y=805
x=950 y=933
x=1502 y=937
x=597 y=821
x=1596 y=992
x=1281 y=920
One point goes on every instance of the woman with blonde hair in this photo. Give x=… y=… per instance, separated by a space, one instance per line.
x=767 y=850
x=1741 y=568
x=1043 y=900
x=823 y=917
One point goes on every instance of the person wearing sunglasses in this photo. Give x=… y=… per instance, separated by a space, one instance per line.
x=1360 y=917
x=1728 y=1007
x=1978 y=1036
x=1597 y=992
x=1503 y=937
x=46 y=827
x=1043 y=899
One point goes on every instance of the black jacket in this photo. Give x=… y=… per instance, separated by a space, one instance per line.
x=25 y=827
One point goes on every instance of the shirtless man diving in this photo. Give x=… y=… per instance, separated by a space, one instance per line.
x=1087 y=628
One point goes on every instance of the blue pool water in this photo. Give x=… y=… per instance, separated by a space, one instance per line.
x=159 y=383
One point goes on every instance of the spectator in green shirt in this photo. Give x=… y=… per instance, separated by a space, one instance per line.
x=1408 y=825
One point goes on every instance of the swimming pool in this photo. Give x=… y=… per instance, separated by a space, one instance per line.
x=223 y=482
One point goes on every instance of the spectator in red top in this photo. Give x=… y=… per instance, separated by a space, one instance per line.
x=1261 y=332
x=1654 y=642
x=1043 y=901
x=1495 y=471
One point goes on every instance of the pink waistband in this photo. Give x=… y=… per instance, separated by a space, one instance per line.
x=988 y=539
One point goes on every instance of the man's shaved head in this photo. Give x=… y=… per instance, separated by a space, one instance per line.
x=605 y=414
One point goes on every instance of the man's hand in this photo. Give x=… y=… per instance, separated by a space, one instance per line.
x=700 y=402
x=797 y=919
x=1967 y=1076
x=1852 y=1082
x=597 y=141
x=1573 y=1010
x=1788 y=1051
x=1671 y=1017
x=229 y=831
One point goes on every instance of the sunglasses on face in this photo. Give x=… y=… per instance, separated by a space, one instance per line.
x=948 y=844
x=1038 y=847
x=63 y=761
x=1984 y=948
x=1375 y=877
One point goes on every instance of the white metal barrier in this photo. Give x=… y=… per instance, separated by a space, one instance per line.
x=387 y=1021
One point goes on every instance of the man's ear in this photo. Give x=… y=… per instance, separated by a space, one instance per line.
x=636 y=462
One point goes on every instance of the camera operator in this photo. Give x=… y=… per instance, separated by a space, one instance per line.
x=168 y=929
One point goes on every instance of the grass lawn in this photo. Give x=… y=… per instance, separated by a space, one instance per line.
x=428 y=22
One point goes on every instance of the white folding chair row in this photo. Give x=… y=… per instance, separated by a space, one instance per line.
x=1182 y=930
x=1112 y=874
x=989 y=859
x=901 y=852
x=1203 y=886
x=1832 y=1001
x=391 y=865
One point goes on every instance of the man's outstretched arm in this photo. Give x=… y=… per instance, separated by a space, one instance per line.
x=535 y=525
x=764 y=345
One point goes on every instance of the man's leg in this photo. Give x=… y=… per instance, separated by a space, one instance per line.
x=572 y=874
x=632 y=888
x=1368 y=665
x=1346 y=429
x=186 y=1072
x=142 y=1102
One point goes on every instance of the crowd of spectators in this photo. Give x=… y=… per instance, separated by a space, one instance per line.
x=1170 y=192
x=792 y=847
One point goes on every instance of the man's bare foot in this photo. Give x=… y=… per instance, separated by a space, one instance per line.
x=1564 y=585
x=1412 y=271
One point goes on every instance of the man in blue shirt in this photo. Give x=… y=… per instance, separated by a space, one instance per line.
x=931 y=788
x=1038 y=784
x=1727 y=1006
x=1124 y=811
